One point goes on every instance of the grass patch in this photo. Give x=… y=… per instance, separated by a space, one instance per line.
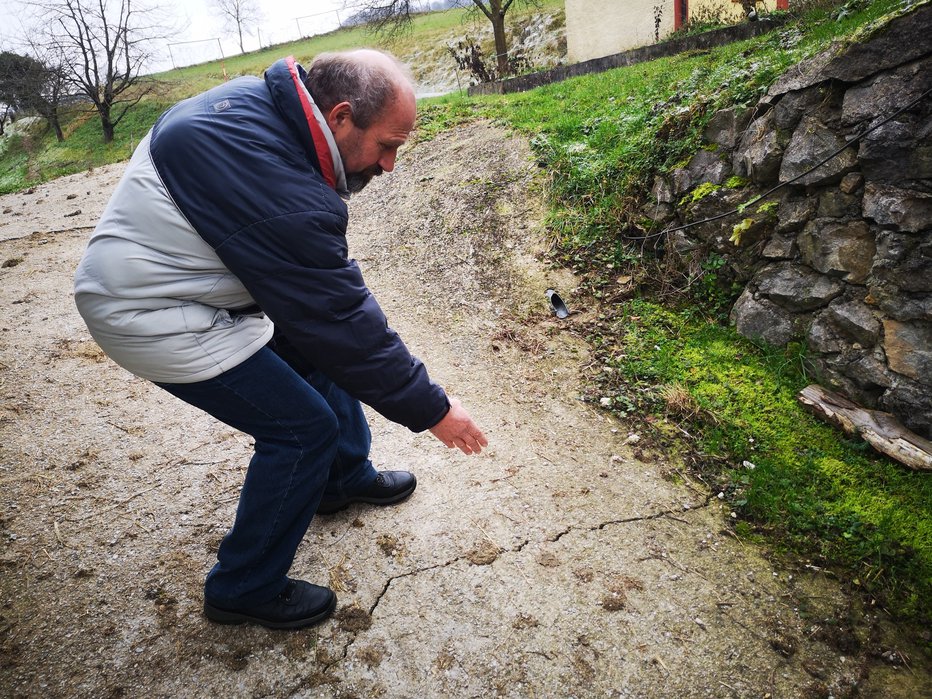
x=815 y=492
x=37 y=156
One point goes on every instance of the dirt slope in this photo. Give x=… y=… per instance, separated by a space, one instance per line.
x=568 y=560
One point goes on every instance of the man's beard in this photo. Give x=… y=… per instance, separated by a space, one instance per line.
x=356 y=181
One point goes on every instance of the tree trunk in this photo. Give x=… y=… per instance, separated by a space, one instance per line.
x=239 y=28
x=51 y=117
x=106 y=124
x=501 y=45
x=57 y=126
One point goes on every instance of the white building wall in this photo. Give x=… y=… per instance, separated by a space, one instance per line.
x=596 y=28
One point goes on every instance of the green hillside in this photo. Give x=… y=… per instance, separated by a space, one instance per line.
x=35 y=156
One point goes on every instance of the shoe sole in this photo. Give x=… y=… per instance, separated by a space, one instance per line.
x=224 y=616
x=331 y=509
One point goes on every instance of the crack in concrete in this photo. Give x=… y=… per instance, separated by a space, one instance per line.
x=628 y=520
x=518 y=549
x=375 y=604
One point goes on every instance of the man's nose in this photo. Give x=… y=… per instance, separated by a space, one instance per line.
x=387 y=161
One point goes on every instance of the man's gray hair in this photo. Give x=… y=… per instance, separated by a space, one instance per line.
x=368 y=86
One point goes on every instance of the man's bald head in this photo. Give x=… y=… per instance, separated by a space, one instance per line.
x=369 y=80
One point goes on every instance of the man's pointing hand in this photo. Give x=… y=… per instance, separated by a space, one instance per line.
x=457 y=430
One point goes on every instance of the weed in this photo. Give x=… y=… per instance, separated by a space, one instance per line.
x=699 y=193
x=739 y=229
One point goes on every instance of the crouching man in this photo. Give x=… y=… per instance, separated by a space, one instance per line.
x=220 y=272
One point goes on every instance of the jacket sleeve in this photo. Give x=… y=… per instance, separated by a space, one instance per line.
x=296 y=268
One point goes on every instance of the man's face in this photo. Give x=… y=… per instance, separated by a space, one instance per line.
x=371 y=151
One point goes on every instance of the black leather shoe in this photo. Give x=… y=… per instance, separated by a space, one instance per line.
x=388 y=488
x=300 y=604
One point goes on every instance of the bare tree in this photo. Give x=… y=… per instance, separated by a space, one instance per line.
x=28 y=84
x=389 y=16
x=104 y=46
x=239 y=14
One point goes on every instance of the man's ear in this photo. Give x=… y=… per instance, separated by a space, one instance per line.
x=340 y=117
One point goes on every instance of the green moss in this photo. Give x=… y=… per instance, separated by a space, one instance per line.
x=821 y=494
x=768 y=208
x=737 y=182
x=700 y=192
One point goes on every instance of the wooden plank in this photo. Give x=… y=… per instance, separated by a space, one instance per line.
x=881 y=430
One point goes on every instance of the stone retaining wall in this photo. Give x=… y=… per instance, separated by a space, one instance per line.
x=843 y=262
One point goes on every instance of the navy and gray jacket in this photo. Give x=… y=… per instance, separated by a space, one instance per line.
x=227 y=221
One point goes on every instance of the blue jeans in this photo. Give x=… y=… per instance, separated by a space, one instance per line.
x=311 y=443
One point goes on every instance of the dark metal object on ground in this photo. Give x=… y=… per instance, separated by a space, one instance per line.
x=556 y=303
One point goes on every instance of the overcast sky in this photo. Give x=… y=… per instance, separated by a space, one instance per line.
x=199 y=23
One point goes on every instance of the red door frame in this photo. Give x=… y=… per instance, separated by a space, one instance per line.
x=680 y=14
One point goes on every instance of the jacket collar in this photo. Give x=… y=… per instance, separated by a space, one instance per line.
x=311 y=123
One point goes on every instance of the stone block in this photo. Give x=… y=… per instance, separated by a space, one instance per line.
x=898 y=305
x=912 y=275
x=829 y=371
x=887 y=92
x=780 y=247
x=904 y=39
x=841 y=249
x=908 y=347
x=759 y=319
x=893 y=246
x=682 y=181
x=851 y=182
x=706 y=166
x=855 y=320
x=899 y=150
x=870 y=372
x=835 y=203
x=805 y=74
x=903 y=209
x=823 y=336
x=793 y=105
x=793 y=214
x=812 y=142
x=662 y=191
x=726 y=125
x=797 y=288
x=910 y=401
x=760 y=153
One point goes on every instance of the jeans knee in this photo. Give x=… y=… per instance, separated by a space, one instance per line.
x=318 y=437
